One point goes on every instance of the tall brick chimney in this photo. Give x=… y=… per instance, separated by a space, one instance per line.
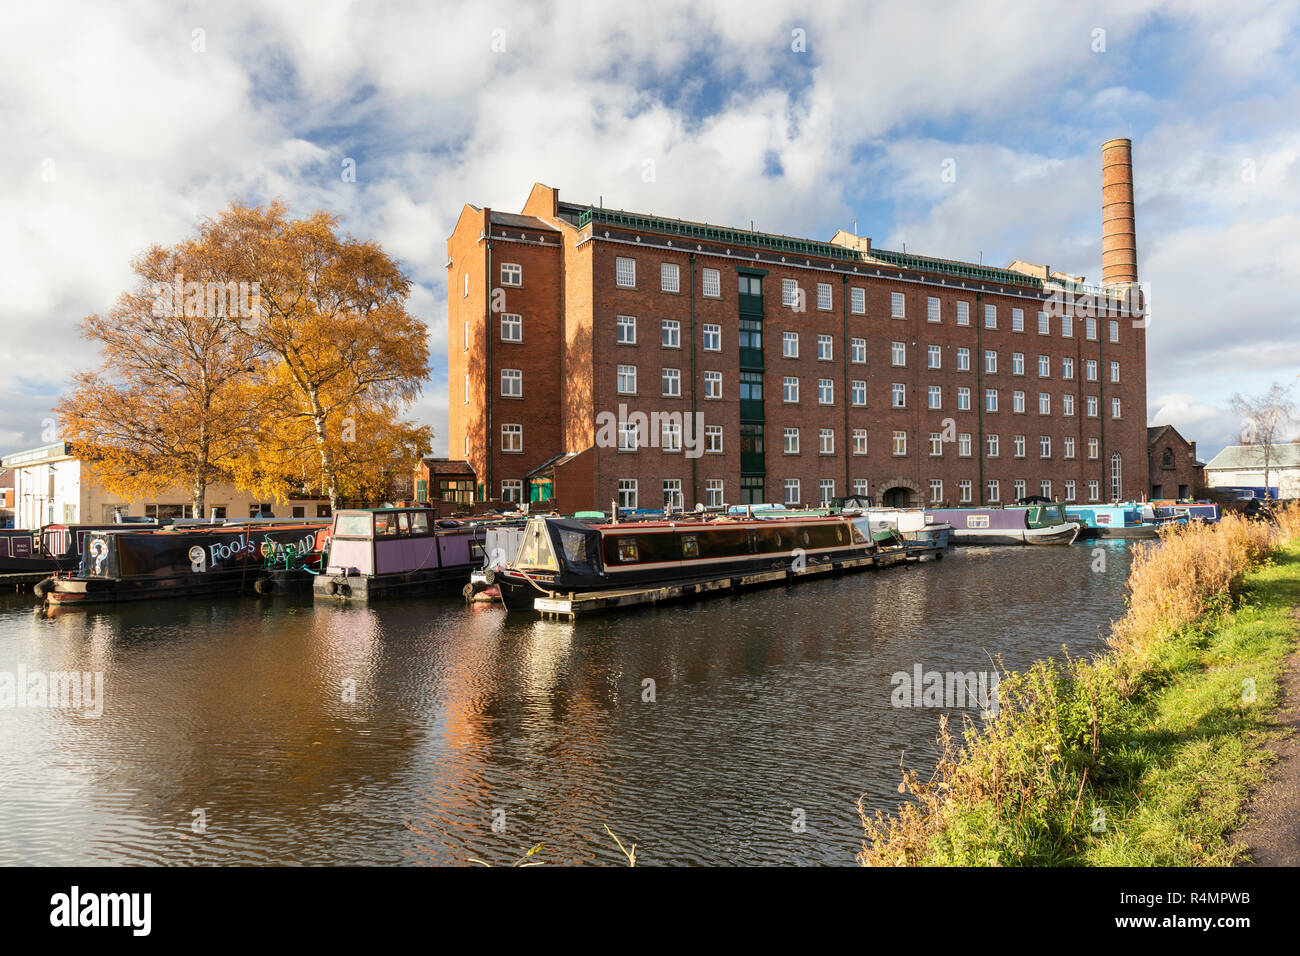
x=1118 y=231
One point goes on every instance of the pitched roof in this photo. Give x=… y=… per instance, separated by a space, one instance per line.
x=1285 y=455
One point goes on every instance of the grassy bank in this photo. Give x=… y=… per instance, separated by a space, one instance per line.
x=1143 y=756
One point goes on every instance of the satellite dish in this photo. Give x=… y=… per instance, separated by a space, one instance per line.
x=699 y=508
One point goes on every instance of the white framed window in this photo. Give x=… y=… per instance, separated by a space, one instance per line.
x=858 y=301
x=512 y=489
x=713 y=439
x=1116 y=477
x=1114 y=371
x=1045 y=488
x=825 y=391
x=1114 y=330
x=1067 y=326
x=859 y=441
x=991 y=445
x=858 y=392
x=824 y=298
x=712 y=337
x=1094 y=490
x=896 y=305
x=964 y=445
x=1090 y=328
x=712 y=282
x=860 y=487
x=826 y=488
x=672 y=493
x=990 y=399
x=1019 y=488
x=627 y=379
x=1044 y=366
x=790 y=441
x=1094 y=448
x=789 y=345
x=789 y=293
x=934 y=397
x=1018 y=447
x=629 y=436
x=625 y=272
x=964 y=491
x=670 y=334
x=963 y=399
x=1044 y=324
x=898 y=354
x=1090 y=368
x=1091 y=402
x=512 y=383
x=1018 y=402
x=963 y=360
x=465 y=341
x=1067 y=404
x=1114 y=408
x=934 y=356
x=670 y=436
x=1044 y=403
x=825 y=348
x=791 y=486
x=1067 y=449
x=990 y=361
x=936 y=491
x=1017 y=320
x=898 y=441
x=990 y=316
x=713 y=493
x=1067 y=367
x=826 y=441
x=712 y=384
x=465 y=293
x=672 y=383
x=936 y=444
x=858 y=351
x=790 y=390
x=467 y=389
x=512 y=438
x=669 y=277
x=627 y=493
x=1045 y=446
x=1069 y=489
x=1017 y=363
x=932 y=309
x=512 y=274
x=963 y=313
x=626 y=330
x=995 y=490
x=898 y=395
x=512 y=327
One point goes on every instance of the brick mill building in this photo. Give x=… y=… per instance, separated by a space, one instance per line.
x=599 y=355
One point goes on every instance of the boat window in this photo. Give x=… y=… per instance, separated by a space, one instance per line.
x=690 y=546
x=574 y=544
x=627 y=549
x=419 y=522
x=385 y=525
x=403 y=523
x=977 y=521
x=535 y=549
x=861 y=530
x=352 y=526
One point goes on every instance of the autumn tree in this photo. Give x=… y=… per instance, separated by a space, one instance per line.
x=170 y=403
x=1263 y=420
x=348 y=358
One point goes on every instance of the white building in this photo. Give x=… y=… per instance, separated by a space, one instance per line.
x=1242 y=466
x=52 y=485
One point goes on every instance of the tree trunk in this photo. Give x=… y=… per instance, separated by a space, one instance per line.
x=326 y=458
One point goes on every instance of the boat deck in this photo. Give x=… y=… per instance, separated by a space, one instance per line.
x=581 y=603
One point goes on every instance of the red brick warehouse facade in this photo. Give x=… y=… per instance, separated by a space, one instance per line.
x=815 y=369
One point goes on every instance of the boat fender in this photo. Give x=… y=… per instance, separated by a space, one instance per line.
x=334 y=587
x=264 y=585
x=345 y=589
x=467 y=592
x=489 y=577
x=44 y=587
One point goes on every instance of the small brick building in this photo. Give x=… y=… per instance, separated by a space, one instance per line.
x=1172 y=463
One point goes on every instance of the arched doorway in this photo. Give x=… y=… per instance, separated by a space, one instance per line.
x=897 y=497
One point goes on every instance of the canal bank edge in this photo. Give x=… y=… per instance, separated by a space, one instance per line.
x=1145 y=756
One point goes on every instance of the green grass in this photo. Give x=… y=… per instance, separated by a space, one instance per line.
x=1168 y=749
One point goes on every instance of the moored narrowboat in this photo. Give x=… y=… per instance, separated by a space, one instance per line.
x=122 y=565
x=562 y=555
x=55 y=547
x=913 y=525
x=383 y=551
x=1122 y=520
x=986 y=526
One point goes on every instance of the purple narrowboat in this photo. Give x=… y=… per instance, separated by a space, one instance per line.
x=381 y=551
x=1000 y=526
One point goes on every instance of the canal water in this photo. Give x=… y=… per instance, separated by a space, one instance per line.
x=733 y=731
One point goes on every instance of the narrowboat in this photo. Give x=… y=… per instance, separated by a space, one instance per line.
x=122 y=565
x=1206 y=511
x=55 y=547
x=562 y=555
x=500 y=544
x=913 y=525
x=380 y=551
x=986 y=526
x=290 y=560
x=1122 y=520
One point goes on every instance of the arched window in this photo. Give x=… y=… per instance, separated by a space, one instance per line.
x=1167 y=460
x=1116 y=477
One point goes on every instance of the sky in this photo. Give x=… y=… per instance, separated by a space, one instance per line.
x=124 y=124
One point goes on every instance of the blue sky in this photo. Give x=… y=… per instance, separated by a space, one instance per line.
x=125 y=124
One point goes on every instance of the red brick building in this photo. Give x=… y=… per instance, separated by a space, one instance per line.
x=599 y=355
x=1175 y=471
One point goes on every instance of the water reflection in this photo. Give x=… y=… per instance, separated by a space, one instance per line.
x=425 y=732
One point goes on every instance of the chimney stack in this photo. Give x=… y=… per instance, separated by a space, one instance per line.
x=1118 y=232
